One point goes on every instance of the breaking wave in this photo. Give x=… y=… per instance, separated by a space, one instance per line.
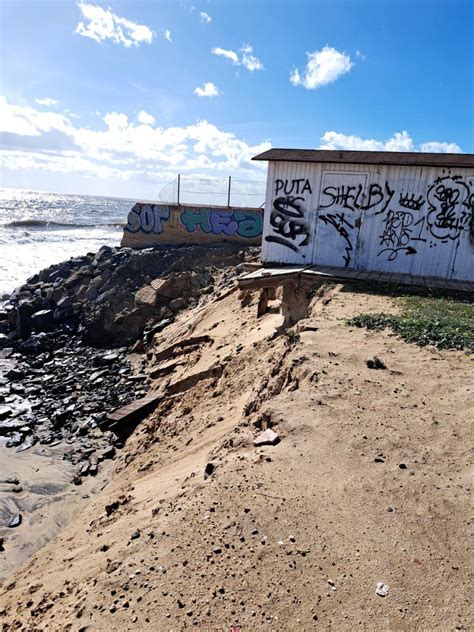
x=41 y=223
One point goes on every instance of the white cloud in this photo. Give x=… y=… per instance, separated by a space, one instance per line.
x=400 y=141
x=228 y=54
x=205 y=17
x=46 y=101
x=145 y=118
x=119 y=148
x=27 y=121
x=246 y=59
x=101 y=24
x=208 y=90
x=167 y=36
x=441 y=148
x=324 y=66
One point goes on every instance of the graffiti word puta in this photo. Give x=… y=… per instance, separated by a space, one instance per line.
x=293 y=187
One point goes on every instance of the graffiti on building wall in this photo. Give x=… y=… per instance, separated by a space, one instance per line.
x=160 y=223
x=288 y=216
x=402 y=220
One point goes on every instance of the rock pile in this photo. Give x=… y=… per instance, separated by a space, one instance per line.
x=66 y=334
x=111 y=296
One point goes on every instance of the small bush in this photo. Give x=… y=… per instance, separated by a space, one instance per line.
x=444 y=323
x=293 y=336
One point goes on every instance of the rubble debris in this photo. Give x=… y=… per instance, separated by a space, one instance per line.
x=382 y=589
x=15 y=521
x=267 y=437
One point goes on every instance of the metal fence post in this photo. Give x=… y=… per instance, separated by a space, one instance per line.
x=228 y=193
x=179 y=185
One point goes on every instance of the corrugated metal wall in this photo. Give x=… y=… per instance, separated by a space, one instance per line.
x=415 y=220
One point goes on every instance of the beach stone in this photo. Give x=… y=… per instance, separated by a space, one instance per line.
x=7 y=426
x=178 y=303
x=5 y=411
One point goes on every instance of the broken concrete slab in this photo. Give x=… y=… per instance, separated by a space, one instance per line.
x=268 y=437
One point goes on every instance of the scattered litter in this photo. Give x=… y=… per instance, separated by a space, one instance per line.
x=382 y=589
x=268 y=437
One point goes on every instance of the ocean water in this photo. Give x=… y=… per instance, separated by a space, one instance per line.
x=38 y=229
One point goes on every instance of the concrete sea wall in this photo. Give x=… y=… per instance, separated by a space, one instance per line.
x=160 y=224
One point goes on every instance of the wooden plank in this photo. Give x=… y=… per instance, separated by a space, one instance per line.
x=135 y=410
x=257 y=283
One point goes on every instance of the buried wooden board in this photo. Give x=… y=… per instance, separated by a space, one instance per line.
x=136 y=410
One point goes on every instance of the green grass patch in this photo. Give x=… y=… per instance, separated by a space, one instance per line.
x=443 y=321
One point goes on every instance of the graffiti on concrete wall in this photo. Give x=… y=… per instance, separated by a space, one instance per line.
x=160 y=223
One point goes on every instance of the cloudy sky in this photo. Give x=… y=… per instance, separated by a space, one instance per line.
x=117 y=97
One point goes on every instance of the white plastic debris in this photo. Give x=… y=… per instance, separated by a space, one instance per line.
x=382 y=589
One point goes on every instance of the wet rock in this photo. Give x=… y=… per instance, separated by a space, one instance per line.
x=107 y=358
x=28 y=443
x=5 y=411
x=8 y=426
x=15 y=374
x=43 y=320
x=15 y=439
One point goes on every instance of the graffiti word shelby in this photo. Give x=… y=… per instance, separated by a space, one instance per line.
x=353 y=197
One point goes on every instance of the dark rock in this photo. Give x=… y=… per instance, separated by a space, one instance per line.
x=209 y=470
x=5 y=411
x=15 y=439
x=5 y=341
x=7 y=426
x=43 y=320
x=27 y=444
x=12 y=480
x=375 y=363
x=110 y=509
x=107 y=358
x=135 y=535
x=15 y=374
x=24 y=312
x=34 y=344
x=2 y=545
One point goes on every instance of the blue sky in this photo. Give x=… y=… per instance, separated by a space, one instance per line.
x=117 y=97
